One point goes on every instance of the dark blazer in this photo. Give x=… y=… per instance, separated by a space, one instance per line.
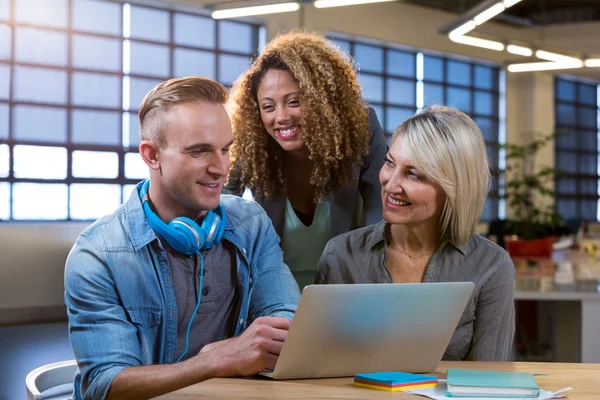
x=353 y=206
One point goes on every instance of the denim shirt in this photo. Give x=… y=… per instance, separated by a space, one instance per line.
x=119 y=295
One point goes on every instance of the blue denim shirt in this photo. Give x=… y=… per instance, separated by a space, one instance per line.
x=119 y=295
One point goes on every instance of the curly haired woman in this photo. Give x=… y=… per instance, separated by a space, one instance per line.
x=307 y=146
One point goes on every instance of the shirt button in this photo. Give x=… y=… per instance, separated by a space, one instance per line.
x=205 y=291
x=244 y=251
x=250 y=280
x=241 y=321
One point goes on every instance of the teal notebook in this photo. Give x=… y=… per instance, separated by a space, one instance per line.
x=471 y=383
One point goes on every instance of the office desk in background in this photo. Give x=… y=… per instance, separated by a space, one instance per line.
x=583 y=378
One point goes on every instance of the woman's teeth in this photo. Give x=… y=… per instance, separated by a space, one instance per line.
x=398 y=202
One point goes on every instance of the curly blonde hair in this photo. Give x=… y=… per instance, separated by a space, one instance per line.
x=334 y=117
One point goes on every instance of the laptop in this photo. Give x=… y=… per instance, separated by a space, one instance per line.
x=342 y=330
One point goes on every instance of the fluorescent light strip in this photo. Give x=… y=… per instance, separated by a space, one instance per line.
x=592 y=62
x=546 y=55
x=510 y=3
x=255 y=10
x=339 y=3
x=519 y=50
x=463 y=29
x=544 y=66
x=471 y=41
x=489 y=13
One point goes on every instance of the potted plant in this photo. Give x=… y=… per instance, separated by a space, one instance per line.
x=534 y=222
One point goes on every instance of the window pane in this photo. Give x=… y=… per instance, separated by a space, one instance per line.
x=194 y=62
x=587 y=94
x=26 y=201
x=98 y=16
x=459 y=98
x=40 y=46
x=589 y=186
x=567 y=139
x=96 y=127
x=42 y=12
x=588 y=140
x=485 y=103
x=236 y=37
x=92 y=52
x=369 y=58
x=95 y=164
x=40 y=85
x=191 y=30
x=492 y=153
x=401 y=92
x=490 y=210
x=134 y=129
x=138 y=88
x=432 y=94
x=565 y=114
x=459 y=73
x=565 y=90
x=149 y=59
x=40 y=162
x=5 y=41
x=485 y=77
x=343 y=45
x=566 y=186
x=3 y=121
x=135 y=167
x=127 y=191
x=401 y=63
x=372 y=87
x=150 y=24
x=589 y=209
x=488 y=128
x=4 y=160
x=4 y=201
x=40 y=124
x=230 y=68
x=395 y=116
x=588 y=164
x=96 y=90
x=4 y=10
x=433 y=69
x=567 y=162
x=92 y=201
x=588 y=117
x=4 y=82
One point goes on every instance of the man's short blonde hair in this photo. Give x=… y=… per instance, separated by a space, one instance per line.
x=172 y=92
x=448 y=148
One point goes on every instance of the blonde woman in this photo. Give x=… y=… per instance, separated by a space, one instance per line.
x=307 y=146
x=433 y=188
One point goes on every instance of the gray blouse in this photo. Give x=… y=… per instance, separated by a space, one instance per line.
x=487 y=326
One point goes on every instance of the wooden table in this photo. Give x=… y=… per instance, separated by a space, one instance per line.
x=583 y=378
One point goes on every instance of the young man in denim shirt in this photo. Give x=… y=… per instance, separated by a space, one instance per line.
x=154 y=307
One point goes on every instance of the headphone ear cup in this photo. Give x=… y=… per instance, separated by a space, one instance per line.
x=220 y=211
x=210 y=229
x=188 y=229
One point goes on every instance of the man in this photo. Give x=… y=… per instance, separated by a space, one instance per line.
x=143 y=294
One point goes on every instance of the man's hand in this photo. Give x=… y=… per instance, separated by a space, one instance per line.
x=257 y=348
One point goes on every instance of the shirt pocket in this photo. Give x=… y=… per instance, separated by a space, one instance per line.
x=145 y=317
x=460 y=343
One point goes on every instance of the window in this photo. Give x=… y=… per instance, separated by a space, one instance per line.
x=576 y=152
x=72 y=76
x=399 y=82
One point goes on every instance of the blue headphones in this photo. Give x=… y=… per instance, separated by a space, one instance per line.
x=184 y=234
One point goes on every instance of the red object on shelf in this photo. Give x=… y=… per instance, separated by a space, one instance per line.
x=530 y=248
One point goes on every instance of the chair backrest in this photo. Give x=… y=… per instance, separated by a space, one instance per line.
x=48 y=376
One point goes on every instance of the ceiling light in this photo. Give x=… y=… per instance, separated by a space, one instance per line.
x=463 y=29
x=489 y=13
x=519 y=50
x=255 y=10
x=487 y=44
x=544 y=66
x=339 y=3
x=546 y=55
x=592 y=62
x=510 y=3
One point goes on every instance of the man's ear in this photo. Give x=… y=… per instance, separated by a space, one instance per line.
x=150 y=153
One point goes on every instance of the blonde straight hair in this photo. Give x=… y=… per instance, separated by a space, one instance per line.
x=448 y=148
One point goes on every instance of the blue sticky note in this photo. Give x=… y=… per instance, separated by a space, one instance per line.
x=394 y=378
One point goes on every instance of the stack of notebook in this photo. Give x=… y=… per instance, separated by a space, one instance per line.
x=470 y=383
x=394 y=381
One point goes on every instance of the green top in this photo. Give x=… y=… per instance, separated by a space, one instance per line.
x=302 y=245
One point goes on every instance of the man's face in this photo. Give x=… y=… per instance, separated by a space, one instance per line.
x=194 y=161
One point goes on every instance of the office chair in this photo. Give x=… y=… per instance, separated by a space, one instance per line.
x=49 y=376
